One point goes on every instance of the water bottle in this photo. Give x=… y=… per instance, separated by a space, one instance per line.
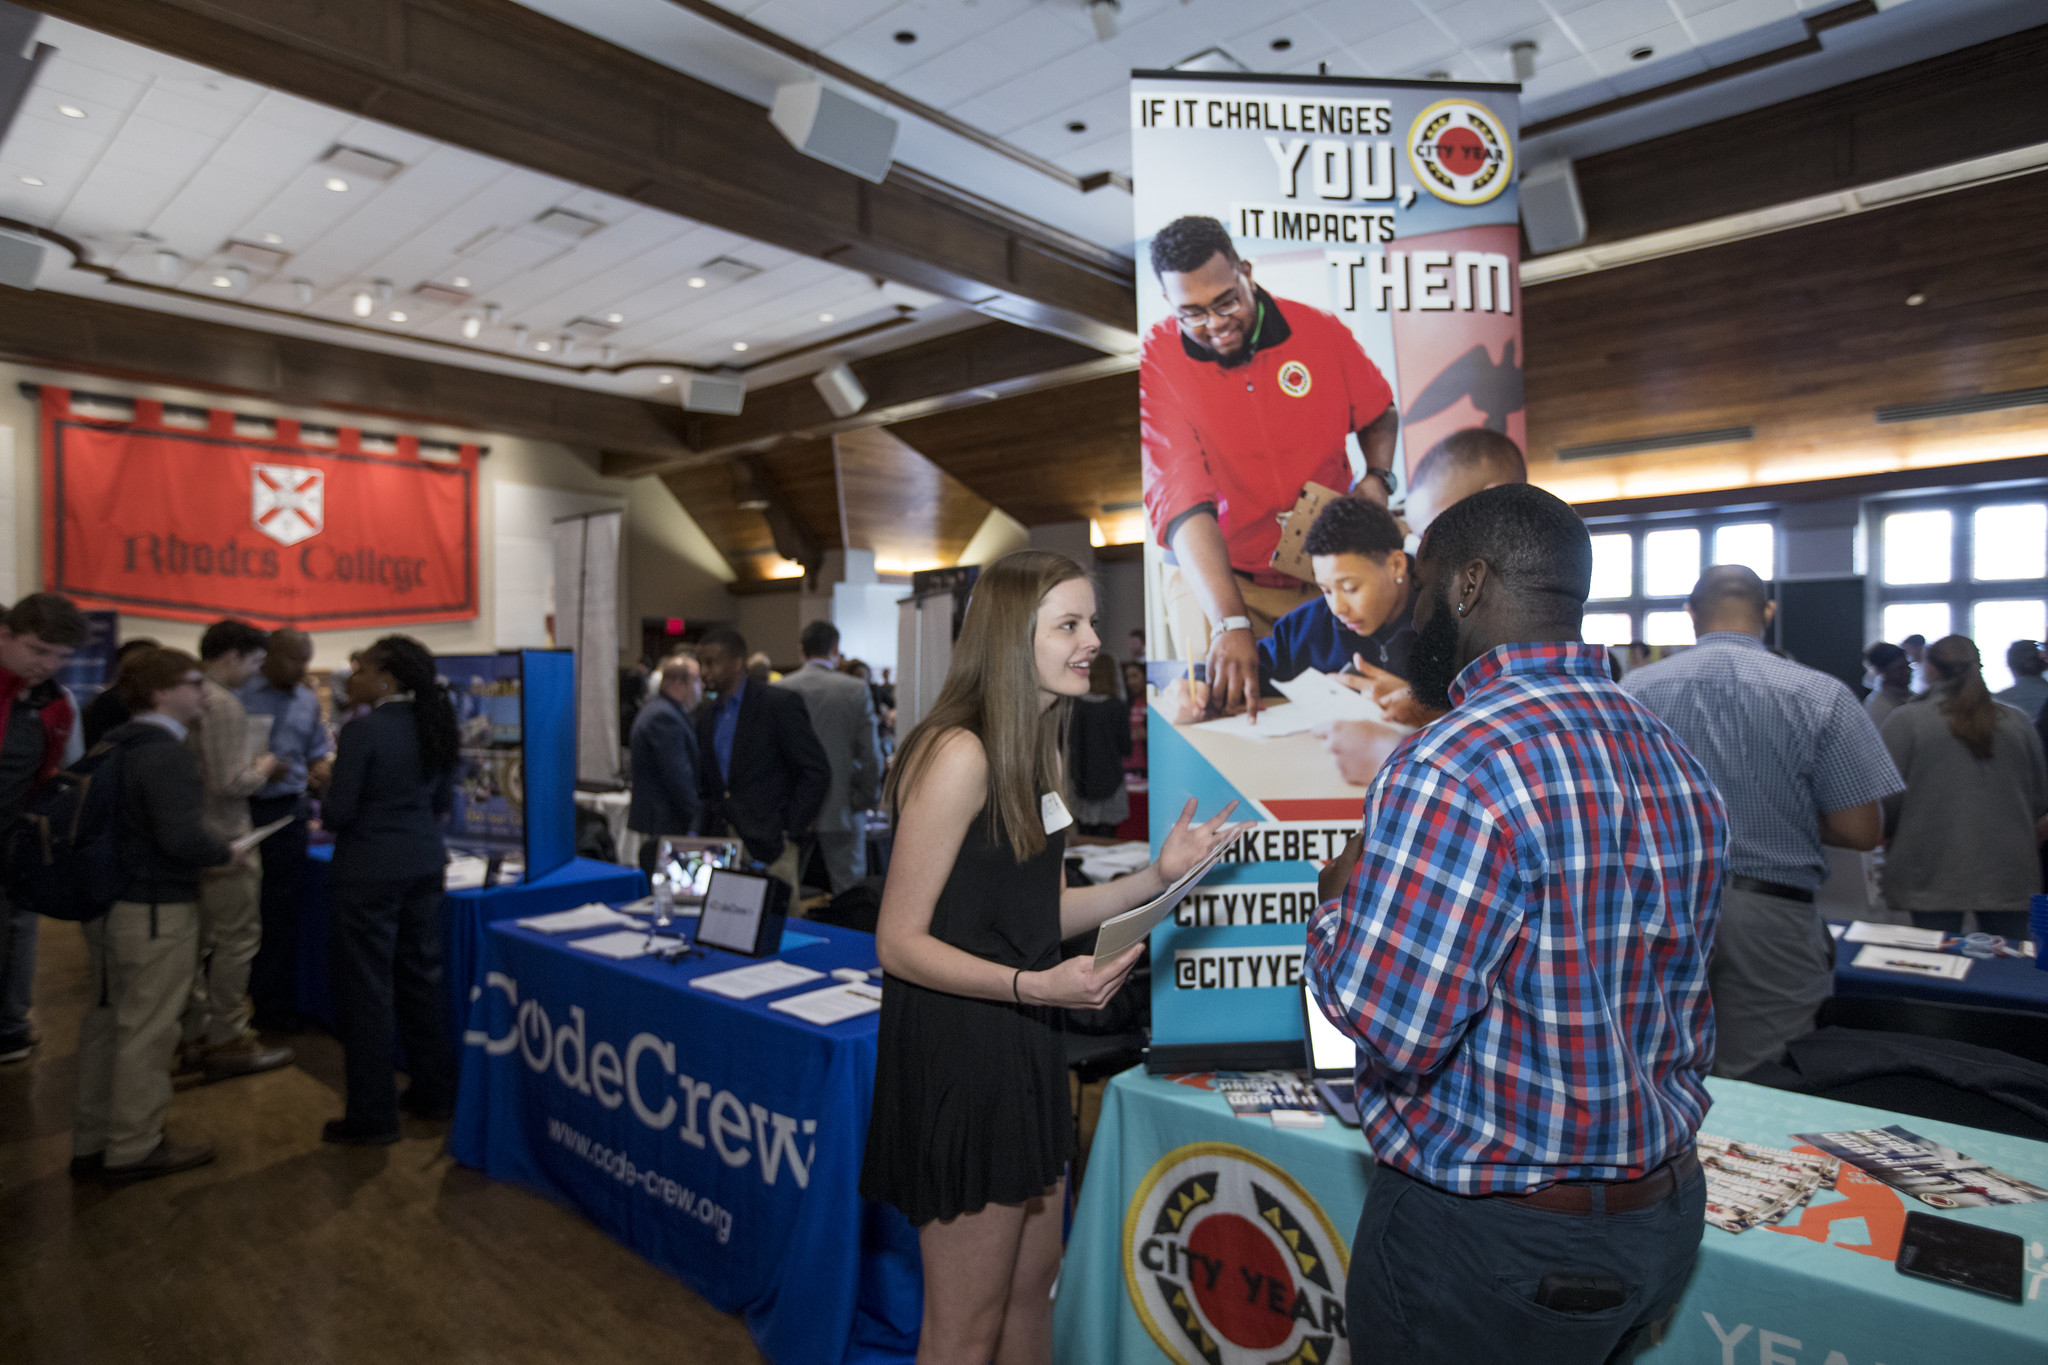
x=664 y=902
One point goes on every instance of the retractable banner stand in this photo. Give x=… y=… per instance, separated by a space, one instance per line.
x=1366 y=232
x=196 y=522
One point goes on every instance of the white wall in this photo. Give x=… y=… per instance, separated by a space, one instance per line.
x=670 y=567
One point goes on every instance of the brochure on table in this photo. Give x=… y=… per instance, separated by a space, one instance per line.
x=515 y=785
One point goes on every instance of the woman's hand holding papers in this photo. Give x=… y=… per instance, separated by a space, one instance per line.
x=1075 y=984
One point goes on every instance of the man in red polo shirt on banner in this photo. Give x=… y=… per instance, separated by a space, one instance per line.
x=1244 y=399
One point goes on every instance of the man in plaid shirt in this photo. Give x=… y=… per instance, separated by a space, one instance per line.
x=1520 y=951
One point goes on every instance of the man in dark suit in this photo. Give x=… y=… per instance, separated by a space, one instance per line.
x=665 y=759
x=764 y=775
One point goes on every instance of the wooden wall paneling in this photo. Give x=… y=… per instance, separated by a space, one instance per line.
x=1951 y=108
x=1043 y=457
x=900 y=505
x=93 y=336
x=1802 y=334
x=504 y=80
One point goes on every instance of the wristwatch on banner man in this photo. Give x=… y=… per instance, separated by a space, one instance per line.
x=1385 y=476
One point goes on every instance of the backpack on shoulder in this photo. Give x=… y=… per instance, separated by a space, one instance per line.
x=59 y=859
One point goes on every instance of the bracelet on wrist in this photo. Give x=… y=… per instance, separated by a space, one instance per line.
x=1015 y=993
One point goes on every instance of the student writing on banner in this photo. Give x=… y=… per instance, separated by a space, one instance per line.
x=971 y=1129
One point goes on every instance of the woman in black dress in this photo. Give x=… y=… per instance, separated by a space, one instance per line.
x=393 y=784
x=971 y=1127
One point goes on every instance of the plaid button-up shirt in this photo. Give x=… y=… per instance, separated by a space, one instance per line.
x=1521 y=952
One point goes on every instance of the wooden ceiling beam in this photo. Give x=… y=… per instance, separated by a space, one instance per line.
x=503 y=80
x=92 y=336
x=990 y=361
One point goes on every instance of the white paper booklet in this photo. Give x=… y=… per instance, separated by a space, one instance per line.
x=257 y=737
x=744 y=983
x=1893 y=935
x=622 y=944
x=260 y=833
x=832 y=1004
x=1911 y=962
x=593 y=916
x=464 y=874
x=1120 y=932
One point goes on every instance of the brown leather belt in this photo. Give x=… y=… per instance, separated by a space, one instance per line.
x=1623 y=1196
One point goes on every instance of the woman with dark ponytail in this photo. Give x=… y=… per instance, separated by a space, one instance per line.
x=1965 y=834
x=394 y=783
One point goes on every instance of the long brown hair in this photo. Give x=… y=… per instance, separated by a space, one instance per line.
x=1972 y=715
x=991 y=691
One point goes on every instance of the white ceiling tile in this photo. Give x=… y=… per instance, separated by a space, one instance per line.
x=1038 y=35
x=1401 y=49
x=815 y=25
x=1066 y=85
x=1737 y=17
x=1306 y=41
x=1556 y=77
x=1605 y=23
x=61 y=76
x=1349 y=21
x=1477 y=22
x=206 y=116
x=1667 y=44
x=951 y=77
x=872 y=49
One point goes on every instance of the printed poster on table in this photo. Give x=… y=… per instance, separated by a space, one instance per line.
x=190 y=515
x=1366 y=237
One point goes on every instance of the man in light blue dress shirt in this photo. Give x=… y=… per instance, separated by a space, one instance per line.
x=299 y=739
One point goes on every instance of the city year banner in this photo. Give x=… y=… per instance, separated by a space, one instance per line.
x=1327 y=286
x=199 y=521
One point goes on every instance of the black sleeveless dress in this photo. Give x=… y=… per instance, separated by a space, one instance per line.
x=971 y=1104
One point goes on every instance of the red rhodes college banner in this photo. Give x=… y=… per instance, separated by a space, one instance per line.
x=196 y=524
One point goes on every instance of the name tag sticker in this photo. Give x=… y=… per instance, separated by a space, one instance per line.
x=1055 y=813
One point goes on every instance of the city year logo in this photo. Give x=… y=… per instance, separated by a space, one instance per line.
x=1294 y=379
x=1229 y=1262
x=1461 y=152
x=287 y=503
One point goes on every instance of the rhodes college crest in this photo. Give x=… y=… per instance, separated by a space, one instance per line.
x=287 y=503
x=1461 y=152
x=1229 y=1262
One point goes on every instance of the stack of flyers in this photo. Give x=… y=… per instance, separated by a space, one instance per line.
x=1748 y=1184
x=1256 y=1094
x=1936 y=1175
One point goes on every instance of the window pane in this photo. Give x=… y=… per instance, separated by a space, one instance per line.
x=1915 y=618
x=2009 y=542
x=1614 y=570
x=1667 y=628
x=1917 y=548
x=1995 y=625
x=1608 y=627
x=1671 y=564
x=1755 y=544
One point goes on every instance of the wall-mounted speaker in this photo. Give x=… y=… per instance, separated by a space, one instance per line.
x=719 y=393
x=820 y=122
x=840 y=390
x=1552 y=213
x=21 y=259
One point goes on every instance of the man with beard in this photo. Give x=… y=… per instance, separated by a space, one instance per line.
x=1244 y=398
x=1521 y=954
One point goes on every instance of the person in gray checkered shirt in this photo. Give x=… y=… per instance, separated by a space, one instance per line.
x=1800 y=766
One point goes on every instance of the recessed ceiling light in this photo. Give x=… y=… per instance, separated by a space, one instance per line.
x=824 y=317
x=1915 y=299
x=696 y=281
x=905 y=36
x=1641 y=54
x=70 y=111
x=361 y=303
x=739 y=345
x=1077 y=127
x=1281 y=44
x=31 y=180
x=222 y=282
x=460 y=281
x=543 y=345
x=615 y=317
x=666 y=379
x=396 y=315
x=472 y=327
x=273 y=238
x=337 y=184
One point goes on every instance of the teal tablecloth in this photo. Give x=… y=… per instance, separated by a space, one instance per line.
x=1154 y=1224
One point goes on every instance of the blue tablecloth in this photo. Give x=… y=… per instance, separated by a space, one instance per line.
x=2007 y=983
x=1186 y=1206
x=463 y=917
x=718 y=1138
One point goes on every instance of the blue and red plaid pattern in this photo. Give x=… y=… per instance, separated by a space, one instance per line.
x=1521 y=952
